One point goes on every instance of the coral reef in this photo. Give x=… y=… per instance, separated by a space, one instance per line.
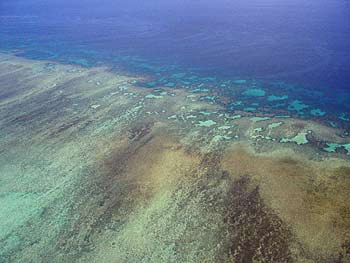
x=97 y=166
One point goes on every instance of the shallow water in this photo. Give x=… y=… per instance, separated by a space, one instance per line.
x=174 y=132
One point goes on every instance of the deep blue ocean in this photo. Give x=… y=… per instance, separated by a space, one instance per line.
x=300 y=46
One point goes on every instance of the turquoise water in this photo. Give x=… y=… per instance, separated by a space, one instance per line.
x=271 y=97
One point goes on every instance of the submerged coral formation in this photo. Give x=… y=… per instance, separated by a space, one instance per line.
x=101 y=166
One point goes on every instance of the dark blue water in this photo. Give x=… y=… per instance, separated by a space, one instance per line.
x=303 y=43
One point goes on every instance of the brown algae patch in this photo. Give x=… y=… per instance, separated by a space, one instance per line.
x=307 y=195
x=256 y=233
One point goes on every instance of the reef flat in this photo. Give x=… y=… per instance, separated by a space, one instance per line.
x=94 y=168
